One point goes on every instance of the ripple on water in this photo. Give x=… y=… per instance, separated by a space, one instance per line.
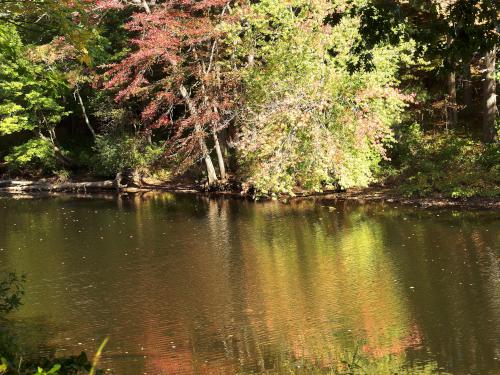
x=186 y=285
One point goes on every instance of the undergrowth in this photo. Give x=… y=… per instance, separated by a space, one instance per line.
x=448 y=164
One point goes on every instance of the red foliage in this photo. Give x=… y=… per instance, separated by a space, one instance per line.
x=175 y=45
x=100 y=5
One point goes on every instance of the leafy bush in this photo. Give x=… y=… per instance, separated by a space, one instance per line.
x=62 y=175
x=11 y=291
x=309 y=120
x=32 y=155
x=449 y=163
x=118 y=153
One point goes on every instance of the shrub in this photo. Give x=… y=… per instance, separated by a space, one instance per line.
x=11 y=291
x=30 y=96
x=309 y=119
x=35 y=154
x=115 y=154
x=449 y=164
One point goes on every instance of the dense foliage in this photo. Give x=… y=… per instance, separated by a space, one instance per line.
x=306 y=119
x=275 y=95
x=30 y=101
x=449 y=163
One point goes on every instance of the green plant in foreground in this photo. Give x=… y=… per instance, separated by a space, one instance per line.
x=73 y=365
x=12 y=362
x=11 y=291
x=97 y=356
x=53 y=371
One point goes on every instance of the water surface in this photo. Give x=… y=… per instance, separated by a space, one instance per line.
x=183 y=284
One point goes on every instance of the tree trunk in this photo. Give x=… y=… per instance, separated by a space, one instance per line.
x=86 y=118
x=218 y=150
x=211 y=174
x=489 y=98
x=149 y=136
x=67 y=162
x=146 y=6
x=467 y=88
x=220 y=157
x=451 y=102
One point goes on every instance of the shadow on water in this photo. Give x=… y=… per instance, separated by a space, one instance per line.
x=187 y=284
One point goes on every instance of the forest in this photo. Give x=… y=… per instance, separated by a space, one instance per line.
x=270 y=96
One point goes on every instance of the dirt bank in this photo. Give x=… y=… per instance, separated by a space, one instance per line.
x=372 y=194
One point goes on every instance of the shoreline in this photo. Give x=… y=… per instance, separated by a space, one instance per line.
x=27 y=188
x=390 y=195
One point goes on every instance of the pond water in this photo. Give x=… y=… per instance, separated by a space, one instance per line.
x=184 y=284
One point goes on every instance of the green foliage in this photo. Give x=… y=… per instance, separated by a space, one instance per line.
x=307 y=119
x=450 y=164
x=315 y=82
x=11 y=291
x=11 y=360
x=62 y=175
x=30 y=92
x=71 y=365
x=53 y=371
x=118 y=153
x=34 y=154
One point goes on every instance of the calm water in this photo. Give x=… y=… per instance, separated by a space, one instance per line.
x=185 y=285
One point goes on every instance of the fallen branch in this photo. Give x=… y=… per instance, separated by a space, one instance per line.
x=23 y=186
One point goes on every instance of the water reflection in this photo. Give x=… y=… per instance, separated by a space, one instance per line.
x=186 y=284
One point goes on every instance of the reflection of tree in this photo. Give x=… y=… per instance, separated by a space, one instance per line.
x=207 y=286
x=451 y=263
x=317 y=281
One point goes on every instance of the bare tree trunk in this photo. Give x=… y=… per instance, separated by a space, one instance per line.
x=467 y=88
x=218 y=150
x=149 y=136
x=55 y=146
x=220 y=157
x=451 y=108
x=211 y=174
x=82 y=106
x=489 y=98
x=145 y=5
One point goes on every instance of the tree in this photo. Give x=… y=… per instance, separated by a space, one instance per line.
x=449 y=34
x=308 y=119
x=490 y=110
x=30 y=101
x=477 y=32
x=174 y=73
